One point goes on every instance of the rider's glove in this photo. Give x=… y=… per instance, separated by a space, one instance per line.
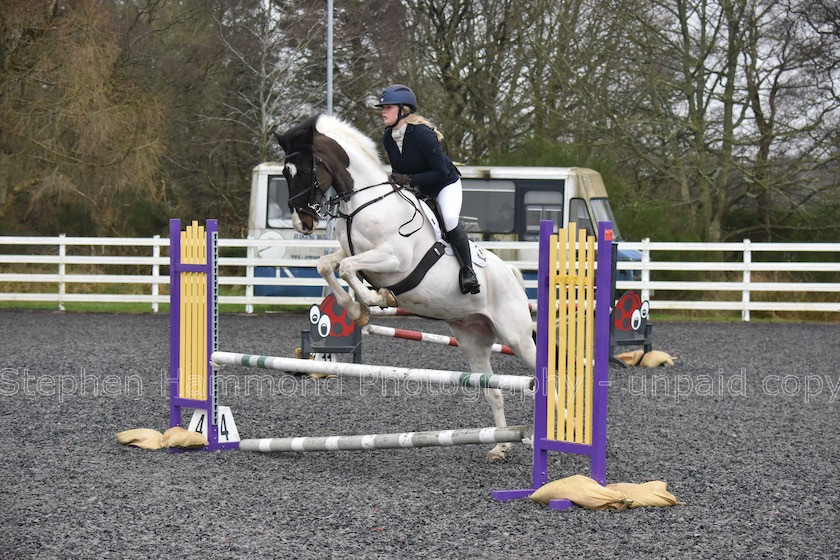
x=399 y=179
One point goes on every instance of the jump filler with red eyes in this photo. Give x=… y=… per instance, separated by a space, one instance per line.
x=631 y=313
x=330 y=322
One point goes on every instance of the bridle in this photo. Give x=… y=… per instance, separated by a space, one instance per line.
x=312 y=206
x=329 y=208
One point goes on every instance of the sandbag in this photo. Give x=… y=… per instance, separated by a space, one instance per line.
x=185 y=439
x=145 y=438
x=653 y=493
x=583 y=491
x=631 y=358
x=656 y=358
x=167 y=435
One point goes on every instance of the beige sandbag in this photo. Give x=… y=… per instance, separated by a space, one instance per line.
x=145 y=438
x=167 y=435
x=631 y=358
x=656 y=358
x=583 y=491
x=299 y=356
x=653 y=493
x=186 y=439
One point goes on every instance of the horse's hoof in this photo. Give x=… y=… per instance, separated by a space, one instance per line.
x=364 y=317
x=498 y=453
x=390 y=300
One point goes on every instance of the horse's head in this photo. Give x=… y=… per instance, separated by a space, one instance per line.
x=314 y=163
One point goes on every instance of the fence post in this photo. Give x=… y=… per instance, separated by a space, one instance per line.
x=645 y=269
x=155 y=273
x=62 y=253
x=745 y=295
x=249 y=275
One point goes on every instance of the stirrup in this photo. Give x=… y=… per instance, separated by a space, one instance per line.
x=468 y=281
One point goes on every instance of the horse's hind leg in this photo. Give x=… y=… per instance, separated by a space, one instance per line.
x=476 y=341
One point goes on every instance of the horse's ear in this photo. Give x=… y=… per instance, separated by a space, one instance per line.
x=283 y=140
x=308 y=133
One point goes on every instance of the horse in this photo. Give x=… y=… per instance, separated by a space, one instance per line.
x=384 y=235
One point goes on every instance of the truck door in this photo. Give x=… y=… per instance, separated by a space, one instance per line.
x=539 y=200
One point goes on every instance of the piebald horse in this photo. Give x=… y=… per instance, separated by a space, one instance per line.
x=384 y=235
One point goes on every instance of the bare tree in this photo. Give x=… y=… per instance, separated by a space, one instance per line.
x=468 y=67
x=794 y=114
x=269 y=45
x=714 y=102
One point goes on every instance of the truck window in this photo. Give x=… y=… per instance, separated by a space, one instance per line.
x=484 y=201
x=541 y=205
x=603 y=213
x=278 y=202
x=579 y=214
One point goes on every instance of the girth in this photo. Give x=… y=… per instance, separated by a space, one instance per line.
x=411 y=281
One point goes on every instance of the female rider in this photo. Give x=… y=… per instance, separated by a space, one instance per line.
x=413 y=148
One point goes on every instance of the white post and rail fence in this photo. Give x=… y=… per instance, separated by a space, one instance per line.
x=740 y=277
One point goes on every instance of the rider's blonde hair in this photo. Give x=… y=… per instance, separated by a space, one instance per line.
x=417 y=119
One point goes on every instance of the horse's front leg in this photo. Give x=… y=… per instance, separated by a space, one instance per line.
x=380 y=260
x=326 y=265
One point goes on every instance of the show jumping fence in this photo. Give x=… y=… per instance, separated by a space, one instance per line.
x=574 y=304
x=570 y=404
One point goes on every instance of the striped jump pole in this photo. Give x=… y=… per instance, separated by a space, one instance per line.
x=398 y=312
x=441 y=438
x=516 y=383
x=570 y=405
x=425 y=337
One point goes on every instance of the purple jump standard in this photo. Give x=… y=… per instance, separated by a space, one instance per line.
x=555 y=429
x=193 y=324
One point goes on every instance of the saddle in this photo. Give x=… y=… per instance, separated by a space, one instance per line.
x=479 y=258
x=433 y=206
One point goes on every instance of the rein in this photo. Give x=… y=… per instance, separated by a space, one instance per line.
x=329 y=208
x=349 y=217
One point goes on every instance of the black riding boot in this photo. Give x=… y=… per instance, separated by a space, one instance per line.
x=461 y=247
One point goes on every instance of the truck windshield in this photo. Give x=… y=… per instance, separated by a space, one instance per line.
x=603 y=212
x=278 y=213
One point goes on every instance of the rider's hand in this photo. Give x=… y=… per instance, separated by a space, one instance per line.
x=399 y=179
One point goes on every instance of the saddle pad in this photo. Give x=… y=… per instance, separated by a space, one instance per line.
x=479 y=257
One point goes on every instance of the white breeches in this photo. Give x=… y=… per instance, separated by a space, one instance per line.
x=449 y=202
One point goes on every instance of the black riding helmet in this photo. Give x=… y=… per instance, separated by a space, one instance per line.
x=398 y=94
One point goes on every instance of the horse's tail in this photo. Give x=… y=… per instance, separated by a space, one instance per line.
x=521 y=279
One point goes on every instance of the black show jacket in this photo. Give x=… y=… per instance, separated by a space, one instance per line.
x=422 y=159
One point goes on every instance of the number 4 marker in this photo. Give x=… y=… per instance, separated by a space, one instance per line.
x=227 y=426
